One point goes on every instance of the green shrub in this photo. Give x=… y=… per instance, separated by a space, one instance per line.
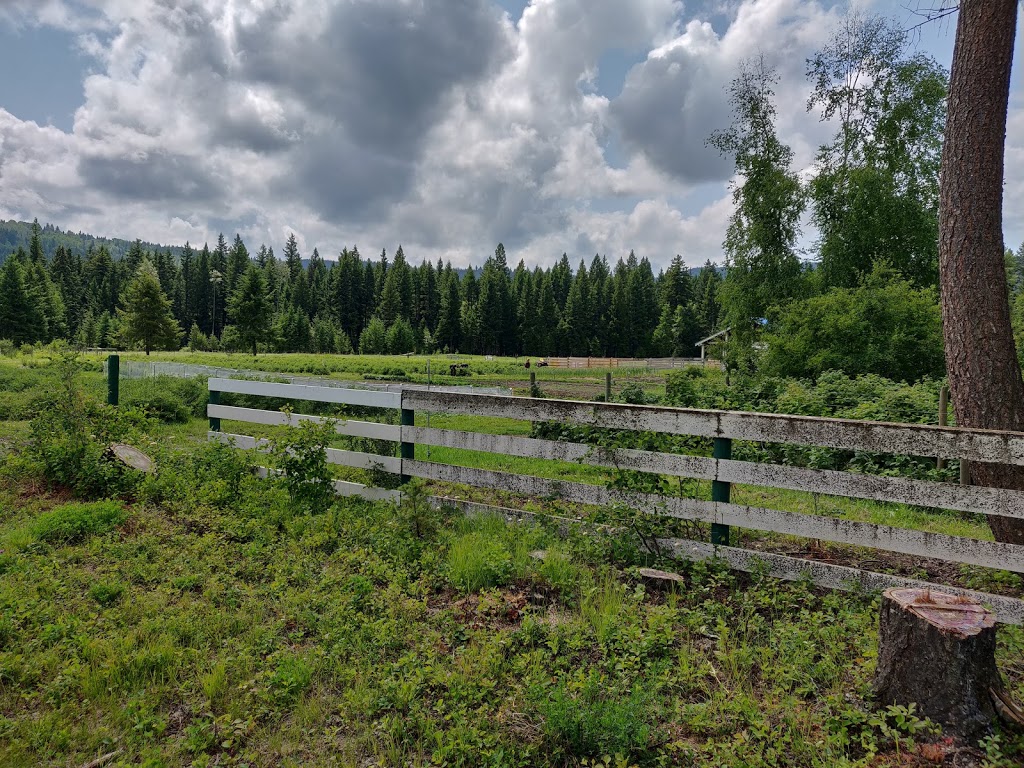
x=884 y=326
x=307 y=475
x=71 y=434
x=73 y=523
x=634 y=394
x=166 y=398
x=163 y=406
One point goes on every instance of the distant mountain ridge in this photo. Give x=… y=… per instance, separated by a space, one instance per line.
x=17 y=234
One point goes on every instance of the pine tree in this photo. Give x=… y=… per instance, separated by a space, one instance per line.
x=497 y=330
x=204 y=291
x=325 y=336
x=293 y=331
x=400 y=337
x=45 y=297
x=66 y=271
x=706 y=299
x=146 y=317
x=373 y=340
x=19 y=319
x=448 y=333
x=577 y=320
x=237 y=265
x=250 y=309
x=548 y=317
x=316 y=277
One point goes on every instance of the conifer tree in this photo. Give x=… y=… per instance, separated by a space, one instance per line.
x=19 y=320
x=237 y=265
x=250 y=309
x=373 y=340
x=447 y=335
x=494 y=310
x=146 y=318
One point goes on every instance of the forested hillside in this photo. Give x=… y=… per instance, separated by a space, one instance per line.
x=18 y=234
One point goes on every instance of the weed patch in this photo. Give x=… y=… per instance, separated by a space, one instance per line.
x=73 y=523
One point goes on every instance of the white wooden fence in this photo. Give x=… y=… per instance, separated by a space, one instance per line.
x=722 y=427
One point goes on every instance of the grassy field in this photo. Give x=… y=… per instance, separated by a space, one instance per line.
x=204 y=617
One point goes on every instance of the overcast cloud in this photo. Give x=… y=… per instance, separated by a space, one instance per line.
x=443 y=125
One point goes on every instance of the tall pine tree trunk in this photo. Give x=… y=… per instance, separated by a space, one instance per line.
x=984 y=375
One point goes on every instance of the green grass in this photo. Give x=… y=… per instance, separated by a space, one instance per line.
x=207 y=620
x=200 y=635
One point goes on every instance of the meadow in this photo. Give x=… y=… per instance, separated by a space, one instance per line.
x=203 y=616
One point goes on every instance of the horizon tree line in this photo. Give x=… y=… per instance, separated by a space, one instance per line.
x=226 y=298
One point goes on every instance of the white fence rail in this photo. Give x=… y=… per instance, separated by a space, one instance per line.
x=722 y=427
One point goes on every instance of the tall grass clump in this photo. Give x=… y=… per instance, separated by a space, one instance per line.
x=592 y=718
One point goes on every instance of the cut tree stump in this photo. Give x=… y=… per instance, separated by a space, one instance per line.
x=938 y=651
x=131 y=456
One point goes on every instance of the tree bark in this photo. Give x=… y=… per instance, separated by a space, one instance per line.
x=984 y=375
x=938 y=652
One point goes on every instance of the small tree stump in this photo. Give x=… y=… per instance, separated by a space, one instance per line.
x=938 y=651
x=131 y=457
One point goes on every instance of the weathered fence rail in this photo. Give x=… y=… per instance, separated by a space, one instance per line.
x=657 y=363
x=722 y=427
x=146 y=369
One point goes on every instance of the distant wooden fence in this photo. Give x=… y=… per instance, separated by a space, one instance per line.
x=722 y=427
x=658 y=363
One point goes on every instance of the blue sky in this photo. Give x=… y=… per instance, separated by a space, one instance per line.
x=443 y=125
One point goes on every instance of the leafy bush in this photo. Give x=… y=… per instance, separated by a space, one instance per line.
x=307 y=475
x=634 y=394
x=166 y=398
x=73 y=523
x=884 y=326
x=71 y=433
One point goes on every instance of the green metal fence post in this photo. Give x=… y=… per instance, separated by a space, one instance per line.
x=720 y=491
x=214 y=399
x=407 y=450
x=113 y=379
x=608 y=387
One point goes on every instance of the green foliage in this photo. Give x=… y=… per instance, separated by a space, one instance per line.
x=587 y=718
x=250 y=308
x=373 y=340
x=106 y=593
x=300 y=454
x=760 y=241
x=400 y=338
x=477 y=561
x=634 y=394
x=72 y=523
x=876 y=193
x=270 y=627
x=146 y=318
x=166 y=398
x=71 y=434
x=884 y=326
